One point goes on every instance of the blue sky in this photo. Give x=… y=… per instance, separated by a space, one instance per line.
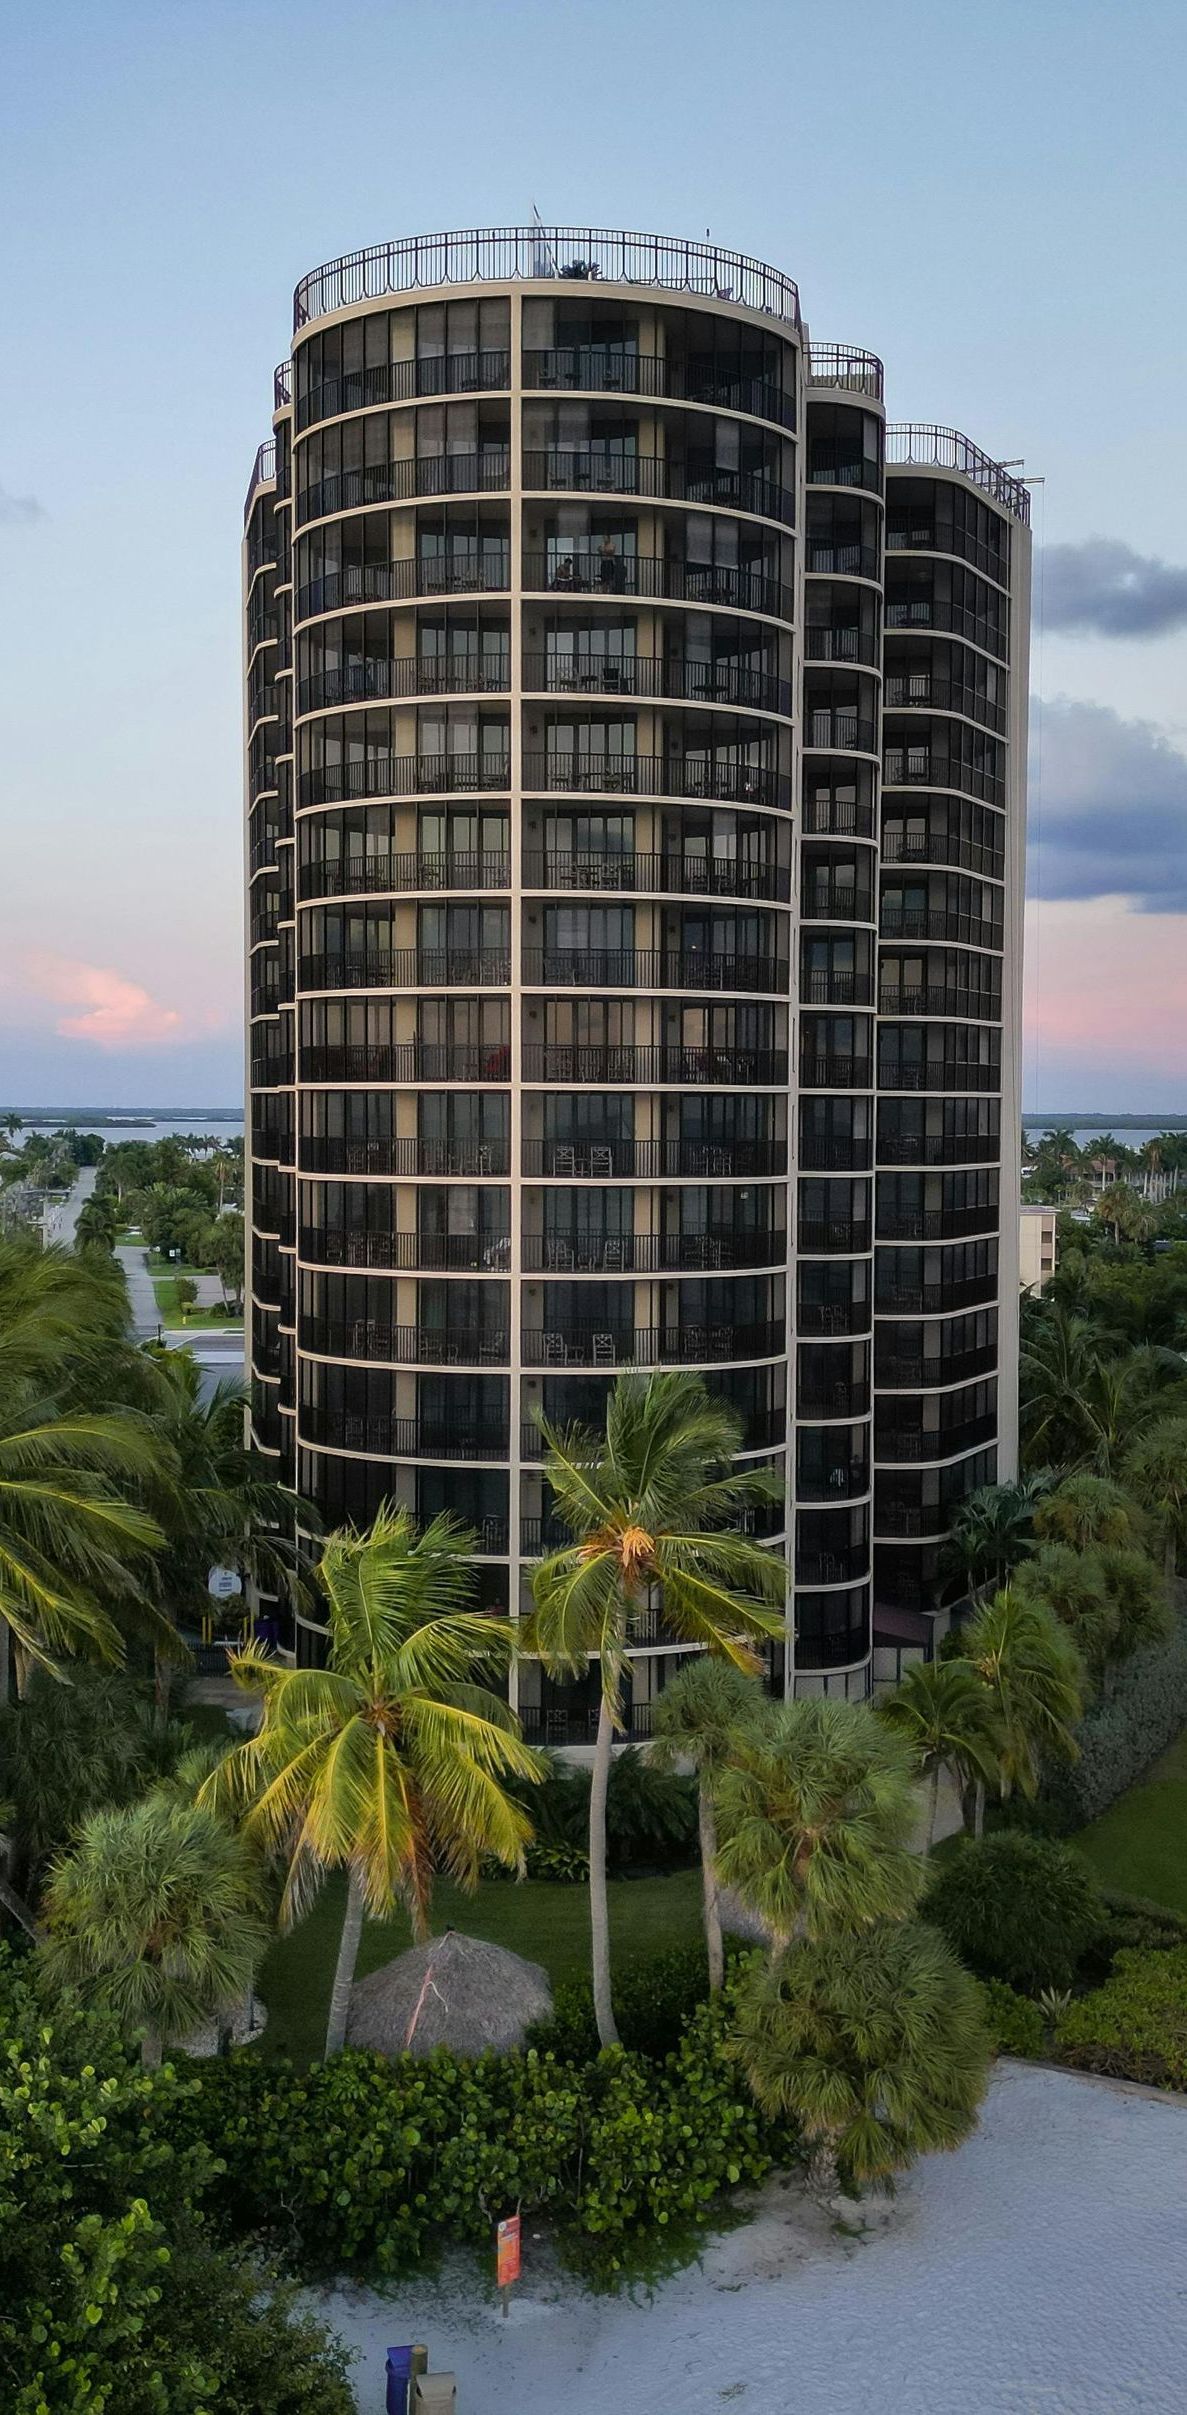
x=995 y=201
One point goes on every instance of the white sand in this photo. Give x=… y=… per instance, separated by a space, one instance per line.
x=1040 y=2271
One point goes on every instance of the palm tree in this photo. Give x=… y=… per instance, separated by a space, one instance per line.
x=1138 y=1592
x=1058 y=1354
x=873 y=2042
x=1120 y=1398
x=155 y=1917
x=698 y=1718
x=1031 y=1671
x=1155 y=1470
x=72 y=1541
x=1072 y=1584
x=649 y=1507
x=939 y=1709
x=991 y=1533
x=1085 y=1511
x=816 y=1813
x=391 y=1761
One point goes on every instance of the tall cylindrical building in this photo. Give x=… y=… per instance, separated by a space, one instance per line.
x=563 y=614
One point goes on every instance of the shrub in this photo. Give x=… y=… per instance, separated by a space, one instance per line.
x=1135 y=2026
x=653 y=2003
x=1132 y=1924
x=1016 y=1907
x=651 y=1817
x=1119 y=1737
x=1015 y=2024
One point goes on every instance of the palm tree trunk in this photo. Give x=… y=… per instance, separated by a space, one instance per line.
x=979 y=1808
x=5 y=1661
x=599 y=1909
x=162 y=1682
x=707 y=1826
x=933 y=1808
x=1170 y=1556
x=151 y=2046
x=348 y=1954
x=824 y=2176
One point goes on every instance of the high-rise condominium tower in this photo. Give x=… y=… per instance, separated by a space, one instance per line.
x=635 y=796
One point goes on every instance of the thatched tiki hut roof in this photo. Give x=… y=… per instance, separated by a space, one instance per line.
x=455 y=1991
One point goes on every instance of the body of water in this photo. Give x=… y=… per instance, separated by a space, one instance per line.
x=1132 y=1135
x=127 y=1123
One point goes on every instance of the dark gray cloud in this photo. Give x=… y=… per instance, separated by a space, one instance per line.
x=1108 y=815
x=1102 y=588
x=19 y=511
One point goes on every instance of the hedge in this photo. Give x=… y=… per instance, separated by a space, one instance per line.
x=1120 y=1737
x=1015 y=2024
x=1135 y=2026
x=1020 y=1908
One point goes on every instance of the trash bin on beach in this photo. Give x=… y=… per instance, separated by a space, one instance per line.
x=403 y=2364
x=434 y=2394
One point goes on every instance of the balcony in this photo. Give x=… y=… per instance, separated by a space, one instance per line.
x=959 y=1005
x=826 y=468
x=847 y=367
x=847 y=1397
x=655 y=969
x=850 y=1235
x=403 y=776
x=561 y=1727
x=402 y=1437
x=588 y=469
x=473 y=1159
x=840 y=733
x=836 y=818
x=940 y=848
x=832 y=1319
x=639 y=1068
x=938 y=1148
x=403 y=1345
x=408 y=1061
x=653 y=1346
x=392 y=875
x=834 y=988
x=966 y=929
x=937 y=1224
x=723 y=1251
x=764 y=1429
x=898 y=1297
x=845 y=1480
x=614 y=369
x=406 y=1253
x=848 y=643
x=825 y=559
x=473 y=573
x=907 y=1445
x=661 y=876
x=482 y=473
x=406 y=968
x=658 y=776
x=404 y=381
x=381 y=678
x=658 y=676
x=912 y=1372
x=586 y=570
x=827 y=1153
x=921 y=691
x=832 y=1567
x=836 y=1072
x=939 y=1074
x=654 y=1160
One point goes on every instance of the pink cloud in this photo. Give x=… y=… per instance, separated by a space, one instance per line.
x=107 y=1009
x=1107 y=987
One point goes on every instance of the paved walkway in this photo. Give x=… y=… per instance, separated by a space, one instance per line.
x=60 y=1221
x=146 y=1316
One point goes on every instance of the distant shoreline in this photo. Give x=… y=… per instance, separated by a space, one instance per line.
x=1101 y=1121
x=123 y=1119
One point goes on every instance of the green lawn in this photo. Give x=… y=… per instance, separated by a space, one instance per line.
x=1140 y=1845
x=546 y=1923
x=199 y=1320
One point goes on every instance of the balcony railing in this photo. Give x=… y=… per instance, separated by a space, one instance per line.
x=840 y=732
x=653 y=1160
x=478 y=573
x=404 y=381
x=475 y=1159
x=406 y=1253
x=616 y=369
x=845 y=1480
x=847 y=367
x=406 y=1061
x=406 y=968
x=403 y=1345
x=958 y=1005
x=850 y=644
x=839 y=1567
x=763 y=1429
x=717 y=1252
x=263 y=472
x=657 y=675
x=403 y=1437
x=585 y=569
x=481 y=473
x=661 y=875
x=655 y=968
x=584 y=1066
x=851 y=1235
x=827 y=468
x=836 y=1072
x=937 y=1224
x=654 y=1346
x=905 y=1445
x=403 y=776
x=919 y=691
x=836 y=817
x=947 y=449
x=372 y=875
x=834 y=988
x=938 y=1148
x=825 y=1319
x=828 y=1400
x=912 y=1372
x=940 y=1074
x=660 y=776
x=591 y=469
x=940 y=923
x=381 y=678
x=573 y=254
x=898 y=1297
x=937 y=847
x=829 y=1153
x=826 y=559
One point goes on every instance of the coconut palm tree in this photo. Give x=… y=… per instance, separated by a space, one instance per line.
x=816 y=1814
x=391 y=1762
x=699 y=1718
x=1057 y=1358
x=155 y=1917
x=873 y=2042
x=1119 y=1400
x=939 y=1709
x=1032 y=1673
x=649 y=1507
x=72 y=1540
x=1155 y=1471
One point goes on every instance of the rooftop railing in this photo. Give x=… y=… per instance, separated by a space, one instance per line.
x=946 y=449
x=571 y=254
x=846 y=366
x=263 y=469
x=282 y=385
